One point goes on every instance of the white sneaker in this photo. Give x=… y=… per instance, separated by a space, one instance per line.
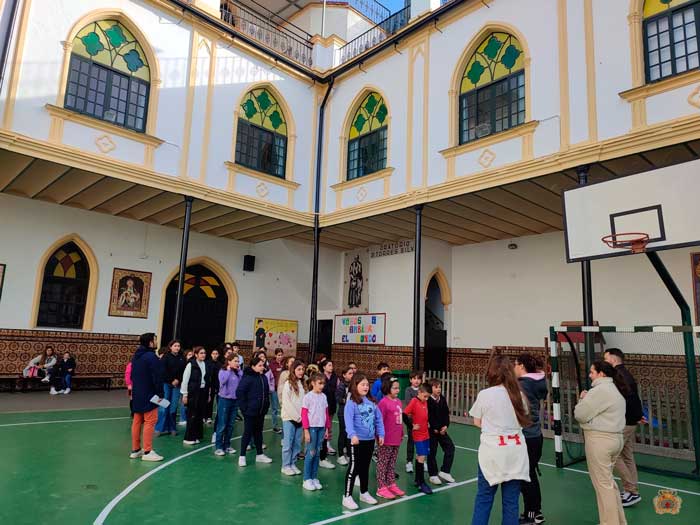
x=366 y=497
x=53 y=391
x=66 y=391
x=342 y=460
x=264 y=446
x=136 y=455
x=349 y=503
x=181 y=423
x=152 y=456
x=309 y=484
x=262 y=458
x=189 y=442
x=296 y=470
x=230 y=450
x=331 y=451
x=317 y=484
x=45 y=380
x=248 y=448
x=209 y=421
x=219 y=452
x=409 y=467
x=242 y=462
x=213 y=437
x=326 y=464
x=447 y=477
x=435 y=480
x=287 y=471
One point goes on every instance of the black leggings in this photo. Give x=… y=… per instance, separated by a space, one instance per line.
x=252 y=430
x=343 y=441
x=196 y=406
x=360 y=458
x=532 y=497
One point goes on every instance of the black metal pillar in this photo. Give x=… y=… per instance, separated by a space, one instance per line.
x=587 y=293
x=183 y=266
x=416 y=289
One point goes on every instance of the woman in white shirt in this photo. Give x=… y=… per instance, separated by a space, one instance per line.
x=501 y=413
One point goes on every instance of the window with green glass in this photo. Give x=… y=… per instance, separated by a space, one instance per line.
x=261 y=138
x=492 y=91
x=108 y=76
x=367 y=144
x=670 y=37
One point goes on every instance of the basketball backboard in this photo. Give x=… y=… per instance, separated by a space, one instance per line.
x=663 y=203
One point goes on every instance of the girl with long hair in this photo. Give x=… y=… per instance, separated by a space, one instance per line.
x=291 y=397
x=253 y=395
x=501 y=413
x=41 y=365
x=196 y=389
x=601 y=414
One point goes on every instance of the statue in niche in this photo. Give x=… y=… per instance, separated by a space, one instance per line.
x=356 y=283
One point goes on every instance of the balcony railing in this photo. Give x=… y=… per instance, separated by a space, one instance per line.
x=373 y=36
x=375 y=11
x=265 y=27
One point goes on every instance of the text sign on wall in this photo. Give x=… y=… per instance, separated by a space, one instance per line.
x=364 y=329
x=392 y=248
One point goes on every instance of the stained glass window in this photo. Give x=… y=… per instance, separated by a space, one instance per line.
x=670 y=37
x=492 y=91
x=367 y=144
x=261 y=139
x=64 y=288
x=108 y=76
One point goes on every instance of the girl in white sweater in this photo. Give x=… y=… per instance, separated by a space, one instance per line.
x=291 y=398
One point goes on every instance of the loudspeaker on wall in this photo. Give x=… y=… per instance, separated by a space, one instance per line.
x=249 y=263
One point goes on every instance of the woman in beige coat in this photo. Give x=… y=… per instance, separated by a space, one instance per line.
x=601 y=414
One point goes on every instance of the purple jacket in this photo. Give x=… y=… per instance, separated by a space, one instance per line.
x=228 y=383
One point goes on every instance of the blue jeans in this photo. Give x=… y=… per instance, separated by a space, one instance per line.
x=275 y=409
x=485 y=494
x=313 y=451
x=225 y=414
x=291 y=443
x=166 y=416
x=66 y=380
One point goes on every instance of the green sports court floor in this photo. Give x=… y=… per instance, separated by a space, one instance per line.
x=72 y=467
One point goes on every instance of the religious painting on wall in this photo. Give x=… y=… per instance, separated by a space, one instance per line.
x=2 y=277
x=131 y=291
x=695 y=272
x=271 y=334
x=356 y=282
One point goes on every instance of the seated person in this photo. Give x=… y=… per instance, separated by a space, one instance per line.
x=41 y=365
x=62 y=374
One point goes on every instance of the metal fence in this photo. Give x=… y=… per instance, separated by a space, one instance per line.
x=373 y=36
x=666 y=433
x=264 y=26
x=375 y=11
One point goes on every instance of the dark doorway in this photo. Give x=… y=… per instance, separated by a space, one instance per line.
x=435 y=347
x=325 y=337
x=204 y=308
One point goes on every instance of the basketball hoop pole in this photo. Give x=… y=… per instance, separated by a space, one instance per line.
x=688 y=345
x=586 y=292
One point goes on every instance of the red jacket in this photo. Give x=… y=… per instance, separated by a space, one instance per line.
x=417 y=410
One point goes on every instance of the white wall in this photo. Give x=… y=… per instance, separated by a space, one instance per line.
x=279 y=287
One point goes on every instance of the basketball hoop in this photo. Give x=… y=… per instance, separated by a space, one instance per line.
x=634 y=241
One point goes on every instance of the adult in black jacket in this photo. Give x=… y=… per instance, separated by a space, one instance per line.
x=147 y=381
x=196 y=385
x=173 y=367
x=253 y=394
x=625 y=466
x=438 y=422
x=533 y=384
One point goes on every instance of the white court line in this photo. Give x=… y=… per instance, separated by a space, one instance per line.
x=586 y=473
x=352 y=514
x=61 y=421
x=124 y=493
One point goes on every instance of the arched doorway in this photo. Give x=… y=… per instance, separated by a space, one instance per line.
x=204 y=308
x=435 y=344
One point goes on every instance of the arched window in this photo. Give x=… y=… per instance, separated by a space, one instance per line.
x=261 y=139
x=64 y=288
x=367 y=144
x=492 y=91
x=109 y=77
x=670 y=37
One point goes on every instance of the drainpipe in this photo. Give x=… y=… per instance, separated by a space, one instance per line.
x=313 y=324
x=7 y=27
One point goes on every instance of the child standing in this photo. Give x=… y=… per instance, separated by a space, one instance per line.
x=438 y=421
x=129 y=386
x=391 y=409
x=382 y=368
x=291 y=397
x=227 y=406
x=317 y=425
x=411 y=391
x=417 y=410
x=341 y=396
x=253 y=394
x=363 y=423
x=195 y=388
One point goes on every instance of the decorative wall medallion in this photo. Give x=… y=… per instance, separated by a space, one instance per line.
x=361 y=194
x=486 y=158
x=105 y=143
x=262 y=190
x=694 y=97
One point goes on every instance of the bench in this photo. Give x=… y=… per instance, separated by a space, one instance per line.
x=8 y=382
x=14 y=383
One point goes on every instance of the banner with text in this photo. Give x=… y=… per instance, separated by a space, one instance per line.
x=364 y=329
